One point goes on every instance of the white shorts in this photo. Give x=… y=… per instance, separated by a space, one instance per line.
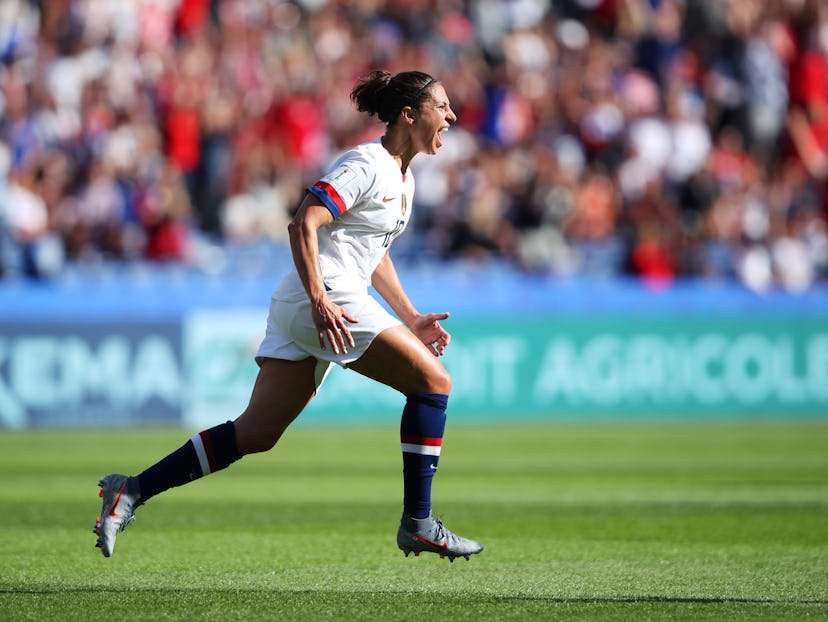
x=291 y=334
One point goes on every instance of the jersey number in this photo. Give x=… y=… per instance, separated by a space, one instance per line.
x=392 y=234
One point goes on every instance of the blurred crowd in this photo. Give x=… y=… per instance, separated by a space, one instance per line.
x=653 y=138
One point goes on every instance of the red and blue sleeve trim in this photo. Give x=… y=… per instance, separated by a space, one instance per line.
x=330 y=198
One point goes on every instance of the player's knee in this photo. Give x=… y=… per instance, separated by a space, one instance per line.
x=439 y=381
x=252 y=439
x=265 y=441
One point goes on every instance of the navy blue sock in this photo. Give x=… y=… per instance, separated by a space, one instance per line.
x=205 y=453
x=421 y=435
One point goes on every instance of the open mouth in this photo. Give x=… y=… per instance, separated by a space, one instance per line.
x=439 y=136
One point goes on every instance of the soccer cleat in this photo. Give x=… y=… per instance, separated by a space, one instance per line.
x=120 y=496
x=430 y=535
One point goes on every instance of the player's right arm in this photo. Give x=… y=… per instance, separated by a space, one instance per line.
x=329 y=318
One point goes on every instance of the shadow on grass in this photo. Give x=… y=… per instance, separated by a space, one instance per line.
x=44 y=591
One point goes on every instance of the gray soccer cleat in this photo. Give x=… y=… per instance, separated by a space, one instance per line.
x=429 y=534
x=121 y=495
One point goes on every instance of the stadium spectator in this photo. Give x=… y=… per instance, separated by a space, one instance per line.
x=241 y=98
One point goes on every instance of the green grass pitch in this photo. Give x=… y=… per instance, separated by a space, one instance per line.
x=643 y=521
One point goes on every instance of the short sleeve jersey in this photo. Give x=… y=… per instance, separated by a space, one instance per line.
x=370 y=200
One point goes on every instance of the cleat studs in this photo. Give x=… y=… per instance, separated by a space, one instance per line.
x=416 y=553
x=467 y=557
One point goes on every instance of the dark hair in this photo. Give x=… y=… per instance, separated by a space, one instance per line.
x=382 y=94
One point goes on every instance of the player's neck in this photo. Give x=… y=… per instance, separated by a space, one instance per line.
x=401 y=148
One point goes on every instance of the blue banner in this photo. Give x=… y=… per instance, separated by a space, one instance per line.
x=78 y=374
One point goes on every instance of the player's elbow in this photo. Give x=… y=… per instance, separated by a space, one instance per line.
x=294 y=228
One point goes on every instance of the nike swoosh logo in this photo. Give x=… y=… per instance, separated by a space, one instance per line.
x=386 y=199
x=112 y=512
x=440 y=545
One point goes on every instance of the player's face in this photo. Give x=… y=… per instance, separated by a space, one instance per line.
x=434 y=117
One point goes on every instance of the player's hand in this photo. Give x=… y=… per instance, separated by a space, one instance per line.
x=428 y=330
x=331 y=325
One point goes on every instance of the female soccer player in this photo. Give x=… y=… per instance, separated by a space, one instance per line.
x=322 y=313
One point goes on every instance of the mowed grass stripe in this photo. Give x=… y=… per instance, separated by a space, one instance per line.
x=593 y=522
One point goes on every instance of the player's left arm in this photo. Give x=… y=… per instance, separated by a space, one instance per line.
x=426 y=326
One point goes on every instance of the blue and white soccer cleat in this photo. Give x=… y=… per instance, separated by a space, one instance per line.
x=430 y=535
x=121 y=495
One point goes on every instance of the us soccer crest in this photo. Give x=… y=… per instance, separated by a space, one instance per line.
x=403 y=205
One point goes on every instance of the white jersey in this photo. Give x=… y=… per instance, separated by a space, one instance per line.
x=370 y=200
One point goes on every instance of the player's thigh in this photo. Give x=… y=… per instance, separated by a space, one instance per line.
x=398 y=359
x=282 y=390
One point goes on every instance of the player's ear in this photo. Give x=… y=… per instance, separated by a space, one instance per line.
x=408 y=114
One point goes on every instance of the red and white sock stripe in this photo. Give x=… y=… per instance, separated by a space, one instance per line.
x=421 y=445
x=204 y=451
